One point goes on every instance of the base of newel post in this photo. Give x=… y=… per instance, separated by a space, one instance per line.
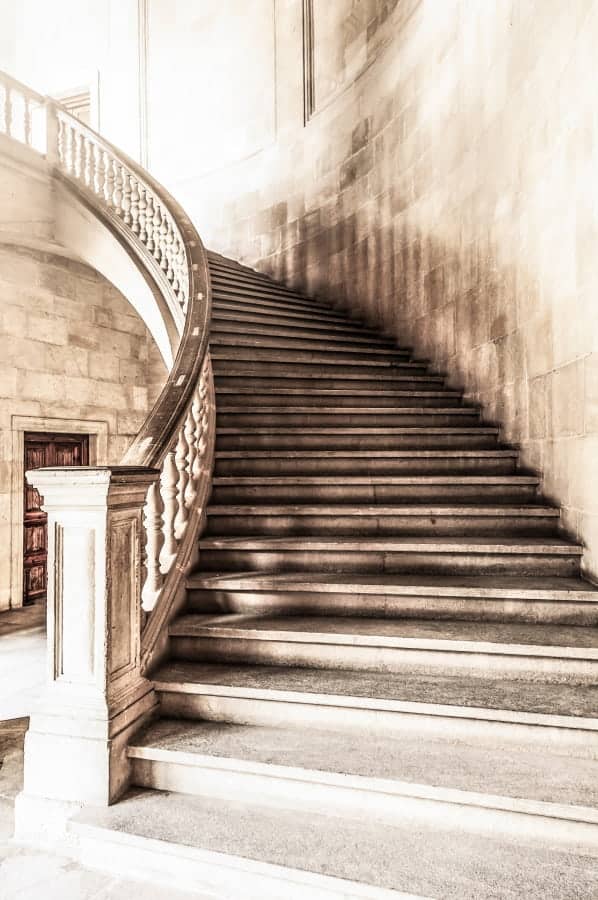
x=95 y=697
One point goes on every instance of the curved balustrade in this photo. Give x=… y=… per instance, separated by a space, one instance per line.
x=178 y=435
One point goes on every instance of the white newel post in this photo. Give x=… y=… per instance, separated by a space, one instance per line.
x=95 y=696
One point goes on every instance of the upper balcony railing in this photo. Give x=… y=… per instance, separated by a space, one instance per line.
x=178 y=435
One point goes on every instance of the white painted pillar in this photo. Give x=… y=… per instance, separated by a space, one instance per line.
x=95 y=696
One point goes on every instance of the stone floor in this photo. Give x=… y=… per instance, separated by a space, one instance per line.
x=27 y=873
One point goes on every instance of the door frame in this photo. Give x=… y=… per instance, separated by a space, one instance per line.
x=98 y=456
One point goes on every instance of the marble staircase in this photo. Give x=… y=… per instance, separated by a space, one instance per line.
x=383 y=683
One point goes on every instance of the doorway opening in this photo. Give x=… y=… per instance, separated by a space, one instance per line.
x=43 y=449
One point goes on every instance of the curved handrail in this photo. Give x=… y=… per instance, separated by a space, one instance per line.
x=178 y=435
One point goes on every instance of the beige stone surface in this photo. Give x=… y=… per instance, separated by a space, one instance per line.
x=71 y=348
x=444 y=186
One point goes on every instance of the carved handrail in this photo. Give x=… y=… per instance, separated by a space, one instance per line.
x=178 y=435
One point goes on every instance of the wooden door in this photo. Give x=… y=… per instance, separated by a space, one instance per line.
x=43 y=450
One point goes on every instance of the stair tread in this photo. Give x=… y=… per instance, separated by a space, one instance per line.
x=412 y=761
x=287 y=480
x=508 y=586
x=332 y=357
x=362 y=429
x=472 y=411
x=383 y=509
x=462 y=695
x=573 y=641
x=302 y=332
x=420 y=544
x=275 y=342
x=338 y=392
x=352 y=454
x=391 y=858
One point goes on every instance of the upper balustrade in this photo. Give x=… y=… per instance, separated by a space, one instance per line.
x=178 y=435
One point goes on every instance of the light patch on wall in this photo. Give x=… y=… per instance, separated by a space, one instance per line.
x=217 y=105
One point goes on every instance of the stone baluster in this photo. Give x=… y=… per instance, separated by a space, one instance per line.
x=7 y=110
x=157 y=232
x=108 y=178
x=182 y=464
x=168 y=487
x=126 y=198
x=117 y=187
x=154 y=541
x=78 y=155
x=99 y=181
x=149 y=221
x=191 y=434
x=27 y=121
x=142 y=213
x=134 y=204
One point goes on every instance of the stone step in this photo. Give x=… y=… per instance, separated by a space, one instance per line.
x=427 y=555
x=485 y=711
x=341 y=399
x=496 y=461
x=229 y=416
x=213 y=845
x=235 y=374
x=275 y=297
x=388 y=780
x=358 y=438
x=374 y=488
x=568 y=654
x=380 y=519
x=268 y=309
x=328 y=346
x=556 y=601
x=333 y=361
x=222 y=276
x=225 y=319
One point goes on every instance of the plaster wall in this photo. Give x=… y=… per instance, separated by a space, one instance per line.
x=72 y=349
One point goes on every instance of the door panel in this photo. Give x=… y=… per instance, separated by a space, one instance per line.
x=42 y=450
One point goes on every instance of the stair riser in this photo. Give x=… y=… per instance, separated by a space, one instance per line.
x=331 y=441
x=267 y=335
x=225 y=283
x=332 y=360
x=390 y=419
x=375 y=526
x=339 y=466
x=235 y=376
x=436 y=723
x=363 y=493
x=268 y=364
x=297 y=349
x=432 y=563
x=341 y=402
x=361 y=799
x=275 y=310
x=390 y=606
x=242 y=651
x=274 y=300
x=227 y=320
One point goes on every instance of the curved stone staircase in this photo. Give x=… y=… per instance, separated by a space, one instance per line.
x=383 y=680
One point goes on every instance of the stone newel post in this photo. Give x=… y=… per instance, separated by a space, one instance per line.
x=95 y=696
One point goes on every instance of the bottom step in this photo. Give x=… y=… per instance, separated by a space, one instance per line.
x=236 y=850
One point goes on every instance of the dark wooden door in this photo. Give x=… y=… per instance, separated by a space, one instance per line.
x=44 y=450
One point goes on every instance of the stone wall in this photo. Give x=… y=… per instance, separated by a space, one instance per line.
x=445 y=187
x=429 y=164
x=71 y=348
